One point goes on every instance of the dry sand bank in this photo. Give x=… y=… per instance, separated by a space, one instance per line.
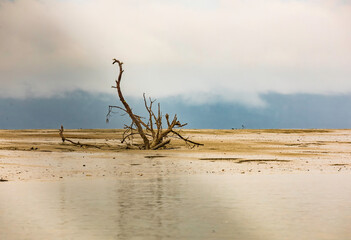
x=40 y=154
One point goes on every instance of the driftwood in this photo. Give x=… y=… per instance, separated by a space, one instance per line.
x=73 y=142
x=150 y=129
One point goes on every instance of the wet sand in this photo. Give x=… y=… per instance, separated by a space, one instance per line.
x=41 y=155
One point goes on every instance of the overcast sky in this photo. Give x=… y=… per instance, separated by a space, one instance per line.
x=201 y=50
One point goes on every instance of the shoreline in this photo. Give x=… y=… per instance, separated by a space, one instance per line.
x=27 y=155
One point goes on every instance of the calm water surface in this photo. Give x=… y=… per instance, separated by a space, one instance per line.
x=191 y=207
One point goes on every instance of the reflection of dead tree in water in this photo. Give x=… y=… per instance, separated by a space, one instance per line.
x=151 y=129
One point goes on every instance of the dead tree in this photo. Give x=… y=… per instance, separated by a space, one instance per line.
x=150 y=129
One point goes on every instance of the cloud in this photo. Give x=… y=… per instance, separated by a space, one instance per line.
x=206 y=50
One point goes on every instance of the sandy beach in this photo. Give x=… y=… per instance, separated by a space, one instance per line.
x=41 y=155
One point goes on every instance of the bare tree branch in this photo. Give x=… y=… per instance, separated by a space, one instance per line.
x=162 y=144
x=186 y=140
x=73 y=142
x=136 y=121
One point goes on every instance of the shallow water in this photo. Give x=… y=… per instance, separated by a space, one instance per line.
x=187 y=207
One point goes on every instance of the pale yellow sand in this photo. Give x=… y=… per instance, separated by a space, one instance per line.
x=40 y=154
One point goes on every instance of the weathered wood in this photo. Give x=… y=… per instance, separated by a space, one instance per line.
x=126 y=105
x=162 y=144
x=151 y=132
x=73 y=142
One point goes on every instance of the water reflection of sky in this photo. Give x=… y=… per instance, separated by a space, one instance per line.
x=193 y=207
